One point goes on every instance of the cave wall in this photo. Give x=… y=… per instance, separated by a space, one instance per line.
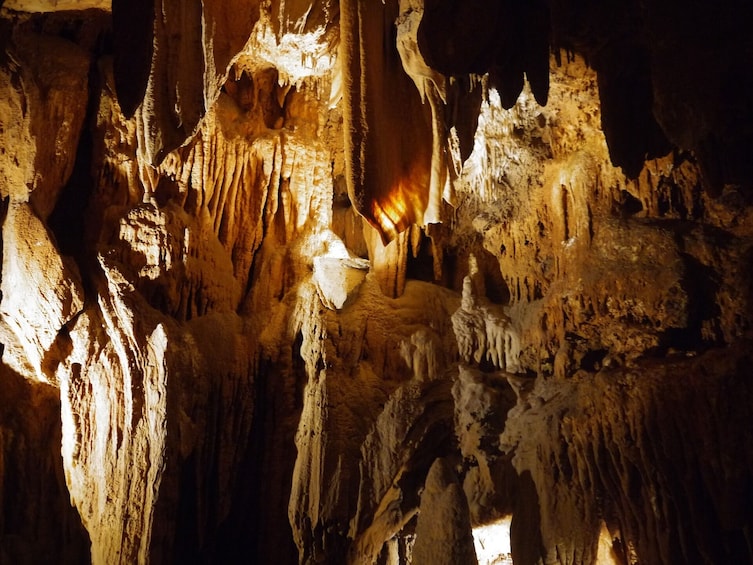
x=327 y=282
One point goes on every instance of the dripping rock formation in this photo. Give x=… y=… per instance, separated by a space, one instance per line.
x=376 y=282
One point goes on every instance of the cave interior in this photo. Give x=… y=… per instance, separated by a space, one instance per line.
x=376 y=282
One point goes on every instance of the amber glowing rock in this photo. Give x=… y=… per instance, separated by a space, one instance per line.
x=388 y=133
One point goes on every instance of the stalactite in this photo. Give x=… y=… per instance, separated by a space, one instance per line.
x=168 y=93
x=388 y=145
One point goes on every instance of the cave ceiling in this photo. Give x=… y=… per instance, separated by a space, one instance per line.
x=669 y=76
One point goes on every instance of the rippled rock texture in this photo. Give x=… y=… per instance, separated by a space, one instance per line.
x=342 y=282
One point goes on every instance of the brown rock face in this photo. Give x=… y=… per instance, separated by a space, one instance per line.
x=443 y=529
x=388 y=182
x=347 y=282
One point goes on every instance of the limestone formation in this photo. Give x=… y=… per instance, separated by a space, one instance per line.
x=443 y=530
x=363 y=282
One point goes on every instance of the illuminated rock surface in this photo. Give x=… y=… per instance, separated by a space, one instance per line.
x=325 y=282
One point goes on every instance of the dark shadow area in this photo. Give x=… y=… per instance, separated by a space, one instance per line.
x=701 y=285
x=525 y=531
x=37 y=522
x=68 y=219
x=257 y=529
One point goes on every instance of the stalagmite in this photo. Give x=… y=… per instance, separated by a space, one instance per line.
x=443 y=531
